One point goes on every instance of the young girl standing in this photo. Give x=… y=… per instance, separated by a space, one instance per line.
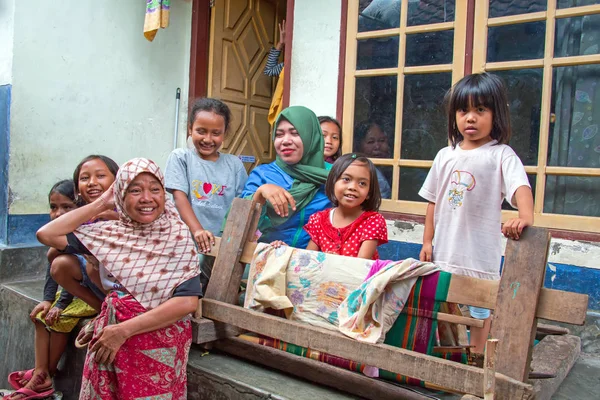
x=353 y=227
x=54 y=318
x=467 y=183
x=204 y=181
x=332 y=136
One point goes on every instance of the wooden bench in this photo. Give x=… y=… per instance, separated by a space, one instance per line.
x=518 y=300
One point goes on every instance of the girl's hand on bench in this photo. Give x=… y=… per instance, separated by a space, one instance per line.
x=513 y=228
x=278 y=243
x=53 y=315
x=204 y=239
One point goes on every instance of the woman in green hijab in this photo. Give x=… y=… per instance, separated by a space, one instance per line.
x=293 y=185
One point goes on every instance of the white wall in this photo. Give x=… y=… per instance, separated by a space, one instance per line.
x=315 y=55
x=7 y=18
x=85 y=80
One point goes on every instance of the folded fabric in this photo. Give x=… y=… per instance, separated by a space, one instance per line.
x=157 y=16
x=371 y=310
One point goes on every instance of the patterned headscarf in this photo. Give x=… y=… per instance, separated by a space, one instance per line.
x=149 y=260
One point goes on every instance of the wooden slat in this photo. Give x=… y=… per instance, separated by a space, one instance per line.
x=508 y=65
x=514 y=318
x=440 y=26
x=362 y=73
x=378 y=34
x=428 y=69
x=517 y=19
x=547 y=329
x=453 y=376
x=227 y=271
x=578 y=11
x=206 y=330
x=572 y=171
x=489 y=369
x=457 y=319
x=316 y=371
x=576 y=60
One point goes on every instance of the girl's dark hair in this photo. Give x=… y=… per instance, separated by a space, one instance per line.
x=479 y=90
x=212 y=105
x=65 y=188
x=373 y=200
x=112 y=166
x=334 y=121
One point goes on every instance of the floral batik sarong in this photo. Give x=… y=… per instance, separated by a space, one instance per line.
x=151 y=365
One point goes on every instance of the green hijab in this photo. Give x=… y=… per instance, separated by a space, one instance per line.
x=309 y=173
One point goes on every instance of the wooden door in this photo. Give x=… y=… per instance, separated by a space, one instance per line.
x=242 y=33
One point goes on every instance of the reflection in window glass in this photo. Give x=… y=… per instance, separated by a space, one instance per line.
x=429 y=48
x=575 y=3
x=376 y=15
x=574 y=139
x=516 y=42
x=377 y=53
x=577 y=36
x=532 y=181
x=375 y=116
x=525 y=101
x=411 y=180
x=430 y=12
x=502 y=8
x=384 y=178
x=575 y=195
x=424 y=130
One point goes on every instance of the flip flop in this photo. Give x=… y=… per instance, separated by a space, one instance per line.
x=88 y=329
x=30 y=394
x=16 y=376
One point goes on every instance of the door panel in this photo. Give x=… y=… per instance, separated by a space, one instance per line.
x=242 y=33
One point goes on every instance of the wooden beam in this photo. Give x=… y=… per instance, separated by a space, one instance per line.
x=227 y=271
x=514 y=318
x=489 y=369
x=316 y=371
x=206 y=330
x=447 y=374
x=547 y=329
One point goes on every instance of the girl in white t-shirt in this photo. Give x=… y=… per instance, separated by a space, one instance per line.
x=466 y=186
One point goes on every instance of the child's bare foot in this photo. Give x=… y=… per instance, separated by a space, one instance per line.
x=40 y=384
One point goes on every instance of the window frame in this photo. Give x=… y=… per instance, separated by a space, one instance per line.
x=481 y=22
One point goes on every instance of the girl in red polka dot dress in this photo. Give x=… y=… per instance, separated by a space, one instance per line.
x=353 y=227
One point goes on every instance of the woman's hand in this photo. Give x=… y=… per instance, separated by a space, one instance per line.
x=278 y=243
x=280 y=199
x=53 y=315
x=281 y=43
x=426 y=252
x=108 y=198
x=108 y=344
x=204 y=239
x=44 y=306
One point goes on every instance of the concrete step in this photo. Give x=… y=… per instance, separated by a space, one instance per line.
x=22 y=263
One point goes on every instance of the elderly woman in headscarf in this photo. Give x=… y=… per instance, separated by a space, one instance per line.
x=293 y=185
x=141 y=338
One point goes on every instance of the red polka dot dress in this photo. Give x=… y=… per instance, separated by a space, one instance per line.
x=346 y=241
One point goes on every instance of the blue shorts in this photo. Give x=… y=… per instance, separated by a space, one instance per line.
x=86 y=281
x=479 y=313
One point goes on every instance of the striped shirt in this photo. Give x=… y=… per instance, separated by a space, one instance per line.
x=273 y=68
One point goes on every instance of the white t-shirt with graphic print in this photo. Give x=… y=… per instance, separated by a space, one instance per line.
x=210 y=186
x=468 y=187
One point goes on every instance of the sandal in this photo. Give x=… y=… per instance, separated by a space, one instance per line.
x=31 y=394
x=85 y=335
x=17 y=376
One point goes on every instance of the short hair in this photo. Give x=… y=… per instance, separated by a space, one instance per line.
x=483 y=89
x=65 y=188
x=373 y=200
x=212 y=105
x=323 y=119
x=112 y=166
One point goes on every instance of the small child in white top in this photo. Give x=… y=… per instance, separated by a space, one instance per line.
x=467 y=184
x=203 y=180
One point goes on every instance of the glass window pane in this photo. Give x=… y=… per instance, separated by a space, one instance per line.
x=430 y=12
x=424 y=130
x=574 y=195
x=384 y=178
x=575 y=3
x=411 y=180
x=502 y=8
x=375 y=116
x=429 y=48
x=376 y=15
x=516 y=42
x=377 y=53
x=525 y=101
x=532 y=180
x=577 y=36
x=575 y=108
